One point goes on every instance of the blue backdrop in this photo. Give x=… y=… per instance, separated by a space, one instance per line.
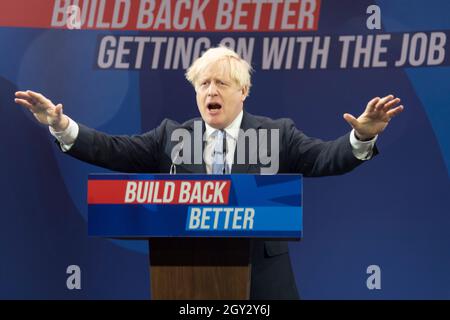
x=393 y=211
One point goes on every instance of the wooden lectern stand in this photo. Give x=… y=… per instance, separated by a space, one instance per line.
x=200 y=268
x=200 y=239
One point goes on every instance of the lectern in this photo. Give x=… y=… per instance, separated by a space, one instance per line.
x=200 y=228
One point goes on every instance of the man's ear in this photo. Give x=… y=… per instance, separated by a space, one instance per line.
x=244 y=93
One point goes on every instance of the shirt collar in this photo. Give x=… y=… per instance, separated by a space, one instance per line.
x=232 y=130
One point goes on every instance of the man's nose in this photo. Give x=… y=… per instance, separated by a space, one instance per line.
x=212 y=89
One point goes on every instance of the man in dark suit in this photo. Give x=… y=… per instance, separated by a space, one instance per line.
x=222 y=82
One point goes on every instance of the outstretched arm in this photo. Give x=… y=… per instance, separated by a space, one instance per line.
x=314 y=157
x=138 y=153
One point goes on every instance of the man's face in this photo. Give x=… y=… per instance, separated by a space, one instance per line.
x=219 y=98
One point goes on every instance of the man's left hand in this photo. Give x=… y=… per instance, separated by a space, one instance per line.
x=375 y=118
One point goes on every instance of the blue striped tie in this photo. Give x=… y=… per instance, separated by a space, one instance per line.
x=219 y=163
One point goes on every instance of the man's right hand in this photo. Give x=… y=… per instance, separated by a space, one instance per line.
x=43 y=109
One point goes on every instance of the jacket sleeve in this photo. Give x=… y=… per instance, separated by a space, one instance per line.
x=314 y=157
x=137 y=153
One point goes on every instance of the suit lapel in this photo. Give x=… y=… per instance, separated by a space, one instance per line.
x=248 y=122
x=193 y=167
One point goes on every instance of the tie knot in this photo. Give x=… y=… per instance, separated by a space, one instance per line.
x=218 y=134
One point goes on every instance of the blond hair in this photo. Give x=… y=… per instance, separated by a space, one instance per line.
x=239 y=69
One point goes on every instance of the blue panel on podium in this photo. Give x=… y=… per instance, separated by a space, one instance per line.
x=239 y=205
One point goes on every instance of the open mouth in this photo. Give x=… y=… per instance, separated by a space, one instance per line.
x=214 y=106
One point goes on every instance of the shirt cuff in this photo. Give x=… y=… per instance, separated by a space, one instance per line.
x=363 y=150
x=68 y=136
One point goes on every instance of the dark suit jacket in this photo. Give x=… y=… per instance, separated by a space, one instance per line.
x=272 y=276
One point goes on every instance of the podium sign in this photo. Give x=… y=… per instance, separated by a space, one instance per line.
x=155 y=205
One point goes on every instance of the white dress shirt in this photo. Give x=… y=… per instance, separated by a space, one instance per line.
x=362 y=150
x=232 y=133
